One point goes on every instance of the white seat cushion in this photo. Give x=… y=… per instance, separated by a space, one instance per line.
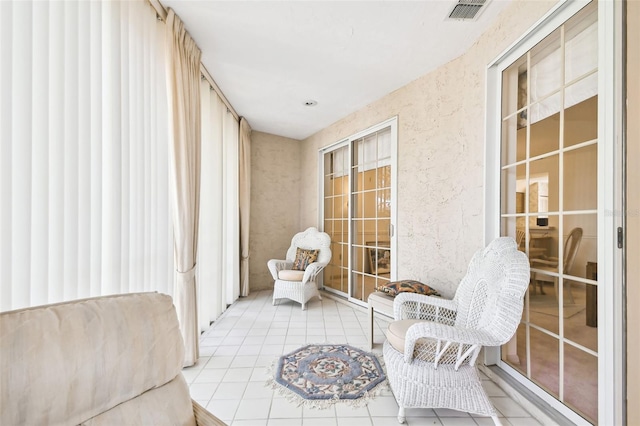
x=397 y=331
x=424 y=351
x=290 y=275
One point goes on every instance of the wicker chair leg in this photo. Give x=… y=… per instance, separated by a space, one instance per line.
x=496 y=421
x=401 y=416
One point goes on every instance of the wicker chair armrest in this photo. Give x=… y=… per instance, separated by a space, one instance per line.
x=312 y=271
x=277 y=265
x=419 y=306
x=432 y=330
x=205 y=418
x=448 y=341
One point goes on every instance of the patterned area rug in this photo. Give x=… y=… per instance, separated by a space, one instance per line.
x=321 y=375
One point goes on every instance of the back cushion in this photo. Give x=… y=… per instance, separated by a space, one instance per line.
x=66 y=363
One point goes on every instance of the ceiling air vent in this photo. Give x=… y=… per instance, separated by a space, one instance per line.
x=466 y=9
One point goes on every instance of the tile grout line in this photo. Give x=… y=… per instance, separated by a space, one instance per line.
x=246 y=312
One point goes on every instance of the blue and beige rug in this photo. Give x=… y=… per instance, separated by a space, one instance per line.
x=324 y=374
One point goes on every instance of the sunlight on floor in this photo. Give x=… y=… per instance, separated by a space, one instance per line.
x=237 y=351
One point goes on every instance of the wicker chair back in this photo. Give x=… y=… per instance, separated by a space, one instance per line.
x=490 y=296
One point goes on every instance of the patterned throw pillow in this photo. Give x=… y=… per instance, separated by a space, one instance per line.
x=393 y=288
x=304 y=258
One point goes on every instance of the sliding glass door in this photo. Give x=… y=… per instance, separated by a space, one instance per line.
x=549 y=204
x=336 y=165
x=358 y=199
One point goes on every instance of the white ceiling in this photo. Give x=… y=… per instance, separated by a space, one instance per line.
x=269 y=57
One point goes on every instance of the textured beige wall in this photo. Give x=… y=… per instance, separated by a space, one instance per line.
x=440 y=155
x=275 y=205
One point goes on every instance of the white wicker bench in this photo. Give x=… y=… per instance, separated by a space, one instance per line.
x=381 y=303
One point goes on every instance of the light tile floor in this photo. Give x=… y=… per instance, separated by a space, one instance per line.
x=237 y=351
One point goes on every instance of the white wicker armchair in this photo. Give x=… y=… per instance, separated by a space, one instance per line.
x=432 y=345
x=300 y=286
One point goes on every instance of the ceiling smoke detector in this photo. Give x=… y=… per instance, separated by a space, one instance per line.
x=467 y=10
x=310 y=103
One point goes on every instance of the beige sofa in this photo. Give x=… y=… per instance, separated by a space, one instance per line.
x=112 y=360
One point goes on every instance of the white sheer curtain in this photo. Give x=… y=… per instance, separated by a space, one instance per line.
x=580 y=59
x=218 y=241
x=231 y=214
x=83 y=153
x=244 y=182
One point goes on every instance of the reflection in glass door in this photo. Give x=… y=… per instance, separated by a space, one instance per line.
x=549 y=205
x=371 y=224
x=357 y=213
x=337 y=186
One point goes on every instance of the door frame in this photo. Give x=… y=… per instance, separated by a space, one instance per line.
x=393 y=124
x=611 y=368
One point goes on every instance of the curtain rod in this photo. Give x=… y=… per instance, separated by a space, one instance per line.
x=214 y=86
x=161 y=13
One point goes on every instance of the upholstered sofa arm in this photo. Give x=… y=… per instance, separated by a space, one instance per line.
x=312 y=271
x=205 y=418
x=118 y=360
x=419 y=306
x=276 y=265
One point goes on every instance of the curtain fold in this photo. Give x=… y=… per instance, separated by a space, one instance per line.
x=218 y=260
x=245 y=202
x=230 y=200
x=183 y=83
x=211 y=285
x=83 y=153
